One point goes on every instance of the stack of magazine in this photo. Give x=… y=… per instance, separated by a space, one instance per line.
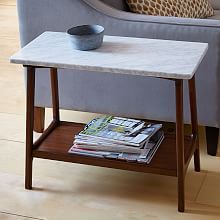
x=119 y=138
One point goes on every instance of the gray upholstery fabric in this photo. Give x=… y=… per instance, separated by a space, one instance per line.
x=216 y=15
x=119 y=94
x=215 y=4
x=119 y=4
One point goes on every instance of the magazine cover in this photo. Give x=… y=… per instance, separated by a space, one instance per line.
x=118 y=130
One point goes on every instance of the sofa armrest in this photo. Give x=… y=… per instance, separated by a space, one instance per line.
x=128 y=16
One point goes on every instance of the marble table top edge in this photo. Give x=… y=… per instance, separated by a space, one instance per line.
x=174 y=76
x=114 y=56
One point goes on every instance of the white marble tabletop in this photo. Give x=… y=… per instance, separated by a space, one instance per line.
x=124 y=55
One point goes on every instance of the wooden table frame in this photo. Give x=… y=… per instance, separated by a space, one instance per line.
x=183 y=157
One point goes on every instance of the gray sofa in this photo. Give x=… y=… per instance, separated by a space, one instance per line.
x=126 y=95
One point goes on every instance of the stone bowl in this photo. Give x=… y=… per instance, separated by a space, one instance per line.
x=86 y=37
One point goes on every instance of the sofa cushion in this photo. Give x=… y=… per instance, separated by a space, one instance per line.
x=216 y=15
x=215 y=4
x=118 y=4
x=176 y=8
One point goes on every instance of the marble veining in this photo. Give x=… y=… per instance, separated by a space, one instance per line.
x=123 y=55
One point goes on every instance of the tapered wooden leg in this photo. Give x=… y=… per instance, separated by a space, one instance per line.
x=180 y=145
x=212 y=137
x=55 y=94
x=29 y=126
x=194 y=120
x=39 y=119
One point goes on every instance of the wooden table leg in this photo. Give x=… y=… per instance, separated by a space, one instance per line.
x=39 y=119
x=212 y=139
x=194 y=121
x=55 y=94
x=29 y=125
x=180 y=144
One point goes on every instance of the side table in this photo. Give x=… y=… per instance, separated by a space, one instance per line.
x=170 y=60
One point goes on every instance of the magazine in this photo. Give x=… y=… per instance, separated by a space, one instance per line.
x=117 y=130
x=144 y=157
x=118 y=138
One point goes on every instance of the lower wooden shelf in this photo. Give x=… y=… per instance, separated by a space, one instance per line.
x=57 y=143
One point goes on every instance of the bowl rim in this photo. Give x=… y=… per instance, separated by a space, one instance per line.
x=85 y=25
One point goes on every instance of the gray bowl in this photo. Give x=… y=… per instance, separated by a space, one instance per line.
x=86 y=37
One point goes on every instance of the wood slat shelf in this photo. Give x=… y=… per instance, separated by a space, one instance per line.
x=58 y=142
